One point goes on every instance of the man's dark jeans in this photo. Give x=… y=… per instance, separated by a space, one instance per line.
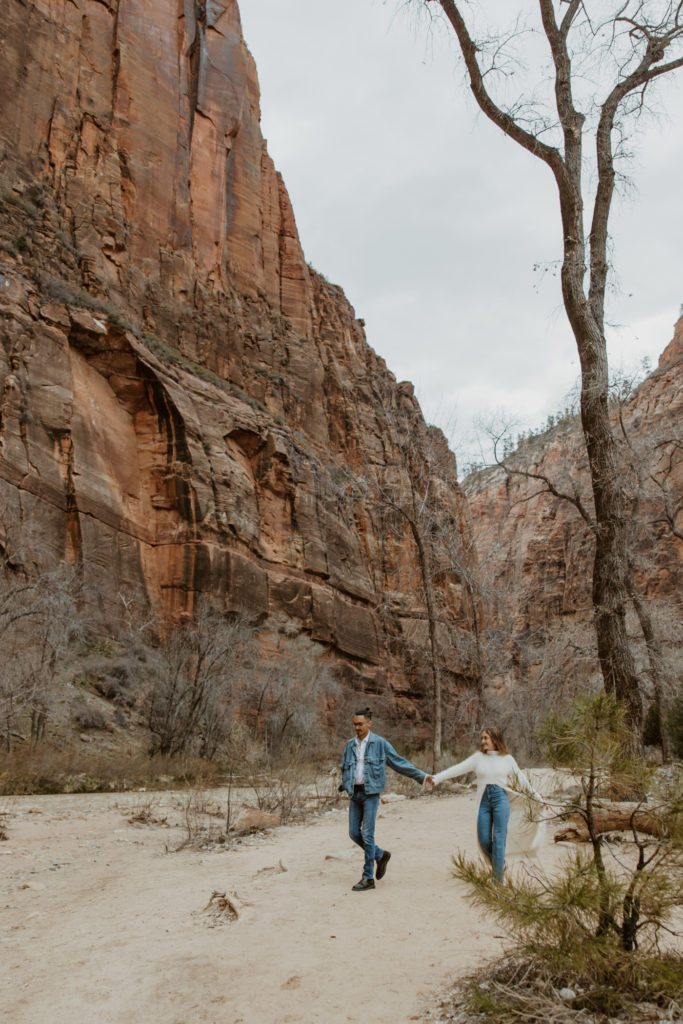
x=362 y=815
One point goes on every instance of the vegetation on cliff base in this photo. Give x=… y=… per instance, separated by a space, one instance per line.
x=84 y=706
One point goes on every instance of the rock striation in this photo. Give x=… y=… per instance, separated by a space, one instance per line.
x=184 y=400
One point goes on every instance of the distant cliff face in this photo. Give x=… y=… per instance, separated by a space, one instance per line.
x=183 y=398
x=537 y=552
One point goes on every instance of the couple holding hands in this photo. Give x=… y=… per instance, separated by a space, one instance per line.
x=363 y=770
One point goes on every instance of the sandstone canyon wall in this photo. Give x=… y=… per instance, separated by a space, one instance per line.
x=536 y=551
x=183 y=398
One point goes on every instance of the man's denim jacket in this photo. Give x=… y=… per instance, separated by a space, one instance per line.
x=378 y=754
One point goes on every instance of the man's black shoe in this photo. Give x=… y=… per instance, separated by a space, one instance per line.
x=365 y=883
x=382 y=865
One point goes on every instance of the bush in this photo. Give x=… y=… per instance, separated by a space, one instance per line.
x=190 y=705
x=46 y=769
x=91 y=718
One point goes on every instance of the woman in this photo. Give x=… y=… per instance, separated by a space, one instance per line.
x=497 y=772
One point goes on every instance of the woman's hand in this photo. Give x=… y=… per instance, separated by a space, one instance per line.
x=429 y=780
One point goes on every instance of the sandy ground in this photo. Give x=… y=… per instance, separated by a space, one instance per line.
x=100 y=924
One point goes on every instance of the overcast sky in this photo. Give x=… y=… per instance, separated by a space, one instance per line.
x=432 y=222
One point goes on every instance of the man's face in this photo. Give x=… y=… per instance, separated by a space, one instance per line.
x=361 y=725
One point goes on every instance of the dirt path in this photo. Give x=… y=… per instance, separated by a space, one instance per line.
x=100 y=925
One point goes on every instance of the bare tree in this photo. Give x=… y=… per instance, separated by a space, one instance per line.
x=286 y=697
x=476 y=630
x=604 y=59
x=189 y=703
x=410 y=490
x=39 y=617
x=647 y=466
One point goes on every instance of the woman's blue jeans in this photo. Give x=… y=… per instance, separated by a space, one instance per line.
x=362 y=815
x=492 y=827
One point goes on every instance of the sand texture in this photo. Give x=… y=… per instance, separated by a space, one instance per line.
x=101 y=924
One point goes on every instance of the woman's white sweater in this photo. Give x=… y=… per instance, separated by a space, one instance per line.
x=492 y=768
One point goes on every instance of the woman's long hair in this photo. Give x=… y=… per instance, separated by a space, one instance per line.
x=497 y=740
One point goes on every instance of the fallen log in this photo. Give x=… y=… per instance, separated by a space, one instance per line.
x=613 y=817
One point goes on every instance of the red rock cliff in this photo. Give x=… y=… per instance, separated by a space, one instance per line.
x=182 y=396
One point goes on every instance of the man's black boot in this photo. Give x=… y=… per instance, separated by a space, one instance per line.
x=365 y=883
x=382 y=865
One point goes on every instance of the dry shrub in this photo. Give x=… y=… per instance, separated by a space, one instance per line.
x=47 y=769
x=39 y=620
x=144 y=812
x=520 y=990
x=117 y=679
x=189 y=706
x=282 y=793
x=87 y=718
x=200 y=812
x=326 y=794
x=293 y=790
x=287 y=702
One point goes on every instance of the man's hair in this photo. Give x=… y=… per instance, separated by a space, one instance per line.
x=365 y=712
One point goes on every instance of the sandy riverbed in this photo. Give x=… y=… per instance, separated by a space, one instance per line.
x=101 y=925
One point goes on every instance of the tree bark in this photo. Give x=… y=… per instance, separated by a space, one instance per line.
x=612 y=529
x=437 y=713
x=655 y=660
x=610 y=818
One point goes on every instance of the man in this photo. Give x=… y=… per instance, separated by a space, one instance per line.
x=363 y=768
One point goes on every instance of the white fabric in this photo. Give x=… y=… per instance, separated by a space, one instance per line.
x=360 y=760
x=525 y=836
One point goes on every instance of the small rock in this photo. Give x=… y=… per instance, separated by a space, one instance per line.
x=88 y=323
x=251 y=818
x=567 y=995
x=279 y=868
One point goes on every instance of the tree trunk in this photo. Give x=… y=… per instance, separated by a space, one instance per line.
x=612 y=528
x=437 y=716
x=620 y=817
x=610 y=564
x=479 y=660
x=655 y=659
